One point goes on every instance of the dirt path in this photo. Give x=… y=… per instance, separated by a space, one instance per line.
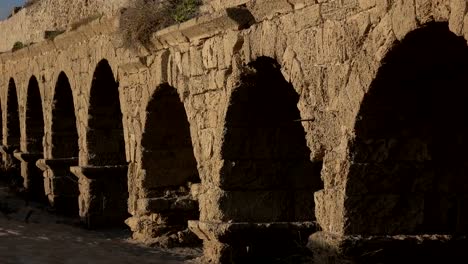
x=50 y=239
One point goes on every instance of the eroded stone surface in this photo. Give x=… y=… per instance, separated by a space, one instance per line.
x=294 y=152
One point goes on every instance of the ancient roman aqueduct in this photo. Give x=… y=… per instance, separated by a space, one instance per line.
x=257 y=124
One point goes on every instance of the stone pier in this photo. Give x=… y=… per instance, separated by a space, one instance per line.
x=32 y=175
x=60 y=185
x=103 y=195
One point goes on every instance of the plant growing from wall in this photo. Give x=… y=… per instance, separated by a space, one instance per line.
x=144 y=17
x=185 y=10
x=30 y=3
x=17 y=46
x=52 y=34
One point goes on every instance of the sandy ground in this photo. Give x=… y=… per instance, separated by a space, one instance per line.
x=51 y=239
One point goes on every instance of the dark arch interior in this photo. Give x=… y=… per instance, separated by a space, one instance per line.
x=34 y=118
x=13 y=124
x=265 y=148
x=105 y=136
x=64 y=131
x=168 y=152
x=1 y=124
x=412 y=136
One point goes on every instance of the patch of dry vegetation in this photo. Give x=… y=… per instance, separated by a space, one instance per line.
x=145 y=17
x=85 y=21
x=31 y=2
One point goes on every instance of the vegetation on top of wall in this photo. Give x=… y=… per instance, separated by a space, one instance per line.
x=144 y=17
x=85 y=21
x=31 y=2
x=185 y=10
x=52 y=34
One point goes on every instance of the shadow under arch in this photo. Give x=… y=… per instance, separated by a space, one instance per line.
x=409 y=162
x=102 y=176
x=64 y=128
x=13 y=134
x=170 y=168
x=267 y=161
x=31 y=146
x=167 y=145
x=12 y=137
x=105 y=139
x=34 y=118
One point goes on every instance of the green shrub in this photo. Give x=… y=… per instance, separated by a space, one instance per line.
x=17 y=46
x=144 y=17
x=52 y=34
x=185 y=10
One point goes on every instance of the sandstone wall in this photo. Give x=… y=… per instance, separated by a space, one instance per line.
x=330 y=51
x=29 y=24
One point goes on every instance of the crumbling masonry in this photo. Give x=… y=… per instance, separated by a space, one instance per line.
x=257 y=127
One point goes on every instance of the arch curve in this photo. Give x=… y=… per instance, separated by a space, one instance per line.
x=265 y=149
x=167 y=144
x=64 y=127
x=105 y=140
x=13 y=134
x=34 y=118
x=408 y=159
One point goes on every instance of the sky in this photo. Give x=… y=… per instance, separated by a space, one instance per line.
x=7 y=5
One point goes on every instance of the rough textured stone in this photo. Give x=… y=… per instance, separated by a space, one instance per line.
x=267 y=98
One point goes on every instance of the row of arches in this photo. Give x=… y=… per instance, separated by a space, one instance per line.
x=409 y=142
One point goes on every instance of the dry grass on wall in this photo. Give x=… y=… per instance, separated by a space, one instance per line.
x=145 y=17
x=31 y=2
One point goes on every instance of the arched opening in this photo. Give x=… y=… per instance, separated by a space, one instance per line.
x=32 y=147
x=409 y=161
x=12 y=137
x=105 y=139
x=168 y=152
x=34 y=118
x=266 y=151
x=170 y=169
x=104 y=202
x=61 y=152
x=64 y=131
x=13 y=134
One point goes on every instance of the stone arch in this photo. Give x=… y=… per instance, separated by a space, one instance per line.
x=265 y=150
x=105 y=138
x=34 y=118
x=61 y=150
x=64 y=128
x=168 y=157
x=13 y=132
x=103 y=172
x=170 y=171
x=407 y=163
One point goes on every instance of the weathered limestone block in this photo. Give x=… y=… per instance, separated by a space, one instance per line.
x=266 y=9
x=60 y=186
x=403 y=18
x=458 y=9
x=329 y=210
x=162 y=221
x=424 y=11
x=103 y=195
